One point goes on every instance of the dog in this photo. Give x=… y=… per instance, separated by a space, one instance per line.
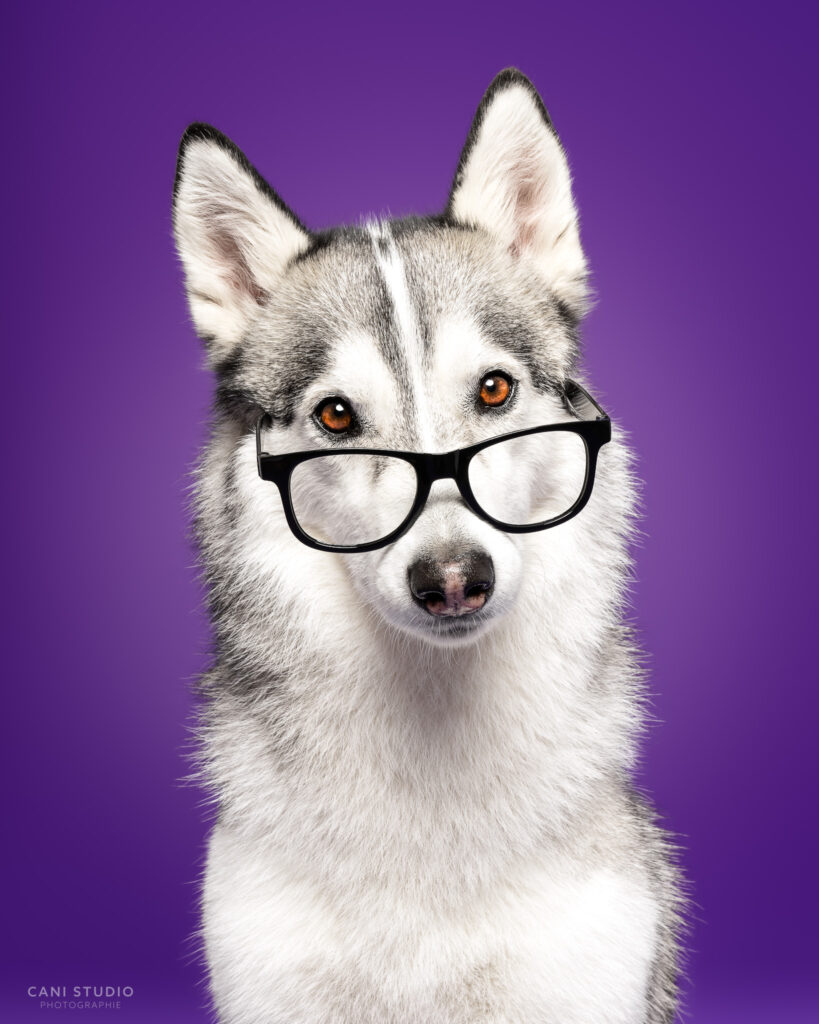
x=424 y=705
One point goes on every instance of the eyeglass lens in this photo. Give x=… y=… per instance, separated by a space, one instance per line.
x=528 y=480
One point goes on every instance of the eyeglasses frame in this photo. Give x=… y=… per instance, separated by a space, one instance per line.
x=429 y=468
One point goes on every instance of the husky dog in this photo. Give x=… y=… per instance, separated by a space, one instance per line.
x=422 y=714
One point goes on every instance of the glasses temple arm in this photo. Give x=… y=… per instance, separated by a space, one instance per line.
x=576 y=397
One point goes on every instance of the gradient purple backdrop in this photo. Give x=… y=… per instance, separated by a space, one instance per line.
x=693 y=147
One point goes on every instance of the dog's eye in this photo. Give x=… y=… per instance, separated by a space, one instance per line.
x=495 y=389
x=335 y=415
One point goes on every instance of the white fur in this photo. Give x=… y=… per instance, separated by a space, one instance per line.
x=548 y=946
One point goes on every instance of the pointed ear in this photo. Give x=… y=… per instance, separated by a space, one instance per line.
x=513 y=180
x=233 y=234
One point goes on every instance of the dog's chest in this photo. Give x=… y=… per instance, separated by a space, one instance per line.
x=558 y=944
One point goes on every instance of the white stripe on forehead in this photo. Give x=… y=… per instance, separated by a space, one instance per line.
x=389 y=262
x=392 y=269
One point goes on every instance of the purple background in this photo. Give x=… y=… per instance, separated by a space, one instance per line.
x=693 y=146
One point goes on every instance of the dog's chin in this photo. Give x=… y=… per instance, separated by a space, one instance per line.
x=443 y=631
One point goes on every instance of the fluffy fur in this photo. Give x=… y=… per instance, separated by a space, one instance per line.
x=417 y=823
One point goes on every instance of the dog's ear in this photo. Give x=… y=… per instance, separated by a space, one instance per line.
x=233 y=234
x=513 y=180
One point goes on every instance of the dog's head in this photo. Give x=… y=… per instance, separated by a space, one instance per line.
x=420 y=335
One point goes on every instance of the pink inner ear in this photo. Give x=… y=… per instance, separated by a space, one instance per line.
x=526 y=200
x=236 y=272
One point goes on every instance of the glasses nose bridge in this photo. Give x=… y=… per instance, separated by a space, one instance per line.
x=443 y=466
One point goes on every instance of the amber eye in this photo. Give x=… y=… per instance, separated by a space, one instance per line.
x=335 y=415
x=496 y=388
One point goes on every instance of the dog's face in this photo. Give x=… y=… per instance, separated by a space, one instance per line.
x=423 y=336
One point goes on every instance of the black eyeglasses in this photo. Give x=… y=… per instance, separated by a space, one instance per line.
x=360 y=499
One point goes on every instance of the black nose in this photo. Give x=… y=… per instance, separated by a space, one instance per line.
x=453 y=585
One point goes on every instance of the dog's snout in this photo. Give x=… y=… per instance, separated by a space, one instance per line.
x=453 y=585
